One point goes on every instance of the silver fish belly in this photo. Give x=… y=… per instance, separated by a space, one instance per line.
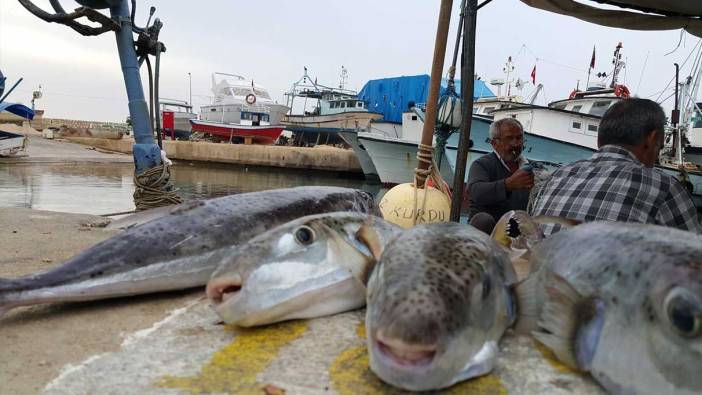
x=622 y=302
x=176 y=251
x=310 y=267
x=438 y=303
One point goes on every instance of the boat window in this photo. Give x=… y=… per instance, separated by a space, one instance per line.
x=351 y=104
x=266 y=118
x=246 y=115
x=475 y=110
x=576 y=125
x=488 y=109
x=359 y=104
x=577 y=108
x=213 y=109
x=333 y=105
x=697 y=119
x=560 y=106
x=592 y=128
x=599 y=107
x=343 y=104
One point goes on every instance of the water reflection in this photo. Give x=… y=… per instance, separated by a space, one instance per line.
x=97 y=188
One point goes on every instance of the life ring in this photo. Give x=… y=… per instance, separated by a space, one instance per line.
x=572 y=94
x=250 y=98
x=621 y=91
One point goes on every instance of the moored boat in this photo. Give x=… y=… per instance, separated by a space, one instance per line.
x=242 y=111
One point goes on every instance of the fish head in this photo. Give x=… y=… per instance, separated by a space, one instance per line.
x=673 y=311
x=634 y=309
x=433 y=306
x=312 y=266
x=517 y=232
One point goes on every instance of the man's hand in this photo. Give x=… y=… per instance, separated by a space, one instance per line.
x=520 y=179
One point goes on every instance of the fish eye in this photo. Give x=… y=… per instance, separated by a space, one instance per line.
x=304 y=235
x=683 y=315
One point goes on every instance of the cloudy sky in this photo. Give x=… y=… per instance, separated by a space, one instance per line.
x=272 y=40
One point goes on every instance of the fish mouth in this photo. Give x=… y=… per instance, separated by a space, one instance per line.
x=405 y=356
x=223 y=289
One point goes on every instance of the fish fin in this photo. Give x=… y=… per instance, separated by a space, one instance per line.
x=528 y=306
x=560 y=320
x=549 y=219
x=367 y=235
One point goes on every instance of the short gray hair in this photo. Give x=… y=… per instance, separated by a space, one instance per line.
x=497 y=125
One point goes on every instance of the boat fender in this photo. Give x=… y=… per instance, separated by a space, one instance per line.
x=250 y=98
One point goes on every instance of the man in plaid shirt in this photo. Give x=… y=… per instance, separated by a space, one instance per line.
x=619 y=182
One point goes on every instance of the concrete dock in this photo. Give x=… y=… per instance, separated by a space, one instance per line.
x=314 y=158
x=173 y=343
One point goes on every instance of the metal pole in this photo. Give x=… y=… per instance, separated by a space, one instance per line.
x=190 y=80
x=146 y=154
x=467 y=83
x=435 y=82
x=11 y=89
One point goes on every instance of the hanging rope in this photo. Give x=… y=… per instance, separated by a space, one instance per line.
x=425 y=153
x=153 y=188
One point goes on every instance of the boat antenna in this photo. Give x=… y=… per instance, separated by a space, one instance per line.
x=343 y=78
x=618 y=64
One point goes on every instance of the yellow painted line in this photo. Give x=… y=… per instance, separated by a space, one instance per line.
x=351 y=375
x=550 y=357
x=233 y=370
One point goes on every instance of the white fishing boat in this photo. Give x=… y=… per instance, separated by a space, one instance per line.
x=325 y=110
x=241 y=110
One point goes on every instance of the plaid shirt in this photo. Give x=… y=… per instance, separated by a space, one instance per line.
x=613 y=185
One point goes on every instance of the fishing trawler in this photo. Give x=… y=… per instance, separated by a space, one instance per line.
x=333 y=110
x=242 y=111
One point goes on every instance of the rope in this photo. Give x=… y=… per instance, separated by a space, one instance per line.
x=153 y=188
x=425 y=153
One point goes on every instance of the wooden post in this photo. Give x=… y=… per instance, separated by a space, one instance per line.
x=467 y=83
x=434 y=85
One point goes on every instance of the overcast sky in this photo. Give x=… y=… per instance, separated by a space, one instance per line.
x=271 y=41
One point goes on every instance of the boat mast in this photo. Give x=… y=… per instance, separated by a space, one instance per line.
x=618 y=64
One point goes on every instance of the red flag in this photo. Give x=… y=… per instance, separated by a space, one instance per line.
x=592 y=61
x=533 y=75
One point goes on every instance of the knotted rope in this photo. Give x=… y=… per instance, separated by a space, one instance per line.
x=425 y=153
x=153 y=188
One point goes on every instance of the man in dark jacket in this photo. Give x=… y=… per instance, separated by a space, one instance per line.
x=499 y=181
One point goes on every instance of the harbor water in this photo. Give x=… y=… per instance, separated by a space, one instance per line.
x=107 y=188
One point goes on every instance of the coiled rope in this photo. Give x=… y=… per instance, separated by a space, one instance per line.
x=154 y=189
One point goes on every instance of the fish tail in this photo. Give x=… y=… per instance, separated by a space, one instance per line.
x=527 y=303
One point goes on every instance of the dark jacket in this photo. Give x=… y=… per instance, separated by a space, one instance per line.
x=487 y=191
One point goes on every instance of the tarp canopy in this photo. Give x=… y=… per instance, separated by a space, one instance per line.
x=643 y=14
x=17 y=109
x=391 y=96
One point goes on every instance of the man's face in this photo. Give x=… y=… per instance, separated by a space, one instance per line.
x=509 y=143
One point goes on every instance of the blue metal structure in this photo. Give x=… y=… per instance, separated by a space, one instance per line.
x=146 y=153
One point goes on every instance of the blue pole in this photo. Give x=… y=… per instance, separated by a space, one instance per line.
x=146 y=154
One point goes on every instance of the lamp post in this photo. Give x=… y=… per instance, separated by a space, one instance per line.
x=190 y=91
